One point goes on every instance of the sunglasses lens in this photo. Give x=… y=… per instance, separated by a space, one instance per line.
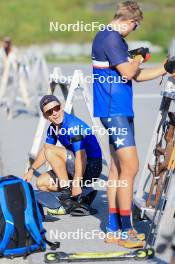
x=50 y=111
x=136 y=26
x=56 y=108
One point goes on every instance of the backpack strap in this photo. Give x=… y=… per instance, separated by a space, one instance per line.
x=53 y=245
x=40 y=215
x=9 y=224
x=29 y=217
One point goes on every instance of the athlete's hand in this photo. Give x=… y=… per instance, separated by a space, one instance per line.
x=28 y=176
x=140 y=54
x=76 y=190
x=139 y=58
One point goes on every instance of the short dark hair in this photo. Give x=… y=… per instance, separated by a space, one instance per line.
x=46 y=99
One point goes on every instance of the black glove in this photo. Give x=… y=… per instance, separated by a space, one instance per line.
x=70 y=203
x=144 y=52
x=170 y=65
x=65 y=193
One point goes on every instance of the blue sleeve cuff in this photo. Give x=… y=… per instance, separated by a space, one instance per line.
x=50 y=141
x=79 y=145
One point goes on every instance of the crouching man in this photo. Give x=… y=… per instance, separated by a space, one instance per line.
x=77 y=162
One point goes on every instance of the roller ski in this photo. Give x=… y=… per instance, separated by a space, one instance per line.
x=139 y=255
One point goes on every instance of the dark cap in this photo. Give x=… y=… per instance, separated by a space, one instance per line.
x=46 y=99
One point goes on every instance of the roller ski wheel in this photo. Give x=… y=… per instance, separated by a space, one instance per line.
x=144 y=254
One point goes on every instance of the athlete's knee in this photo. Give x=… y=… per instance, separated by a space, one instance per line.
x=114 y=171
x=53 y=152
x=50 y=154
x=130 y=167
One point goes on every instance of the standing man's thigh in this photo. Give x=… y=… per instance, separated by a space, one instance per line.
x=128 y=160
x=115 y=165
x=122 y=142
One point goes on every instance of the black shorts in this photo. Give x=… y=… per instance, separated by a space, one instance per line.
x=121 y=131
x=92 y=171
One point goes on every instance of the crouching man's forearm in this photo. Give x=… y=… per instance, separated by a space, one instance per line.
x=39 y=161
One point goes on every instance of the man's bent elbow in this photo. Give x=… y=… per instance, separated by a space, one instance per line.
x=129 y=77
x=127 y=71
x=136 y=79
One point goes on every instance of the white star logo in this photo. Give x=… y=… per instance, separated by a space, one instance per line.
x=69 y=157
x=109 y=119
x=119 y=142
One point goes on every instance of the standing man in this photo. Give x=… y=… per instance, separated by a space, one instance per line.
x=113 y=103
x=78 y=160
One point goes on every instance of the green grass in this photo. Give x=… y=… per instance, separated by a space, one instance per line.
x=155 y=58
x=158 y=57
x=27 y=21
x=54 y=59
x=158 y=26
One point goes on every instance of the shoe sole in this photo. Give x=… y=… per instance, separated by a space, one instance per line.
x=114 y=240
x=131 y=244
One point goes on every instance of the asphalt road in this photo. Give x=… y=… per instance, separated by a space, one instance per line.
x=16 y=137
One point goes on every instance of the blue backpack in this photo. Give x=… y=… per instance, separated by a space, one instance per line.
x=21 y=228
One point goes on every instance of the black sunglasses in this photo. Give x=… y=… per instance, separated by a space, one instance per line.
x=136 y=25
x=50 y=111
